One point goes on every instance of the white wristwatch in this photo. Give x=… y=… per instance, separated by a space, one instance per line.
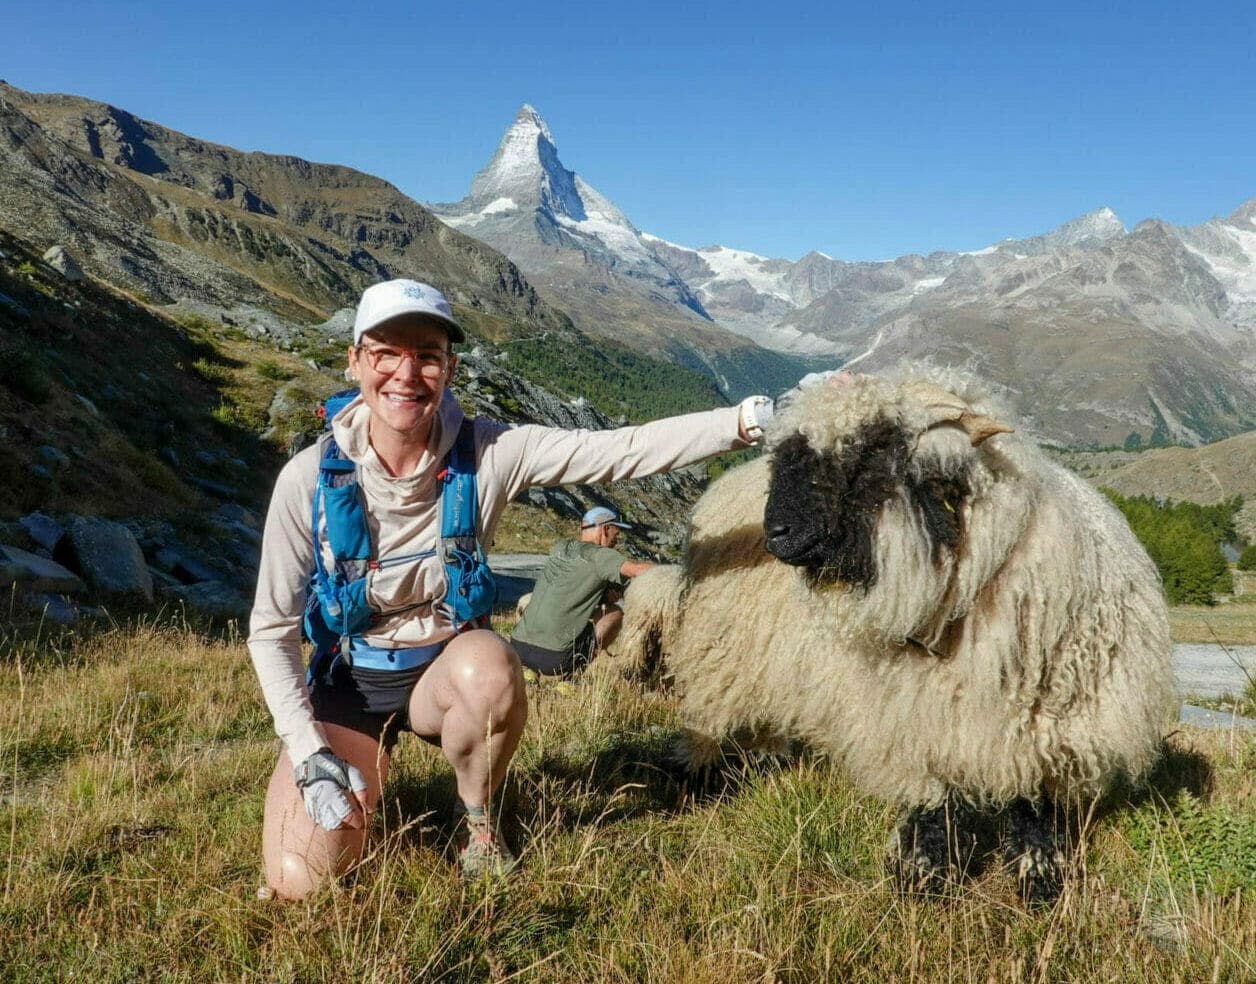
x=756 y=411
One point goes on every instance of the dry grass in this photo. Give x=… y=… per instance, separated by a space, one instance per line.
x=133 y=767
x=525 y=528
x=1232 y=623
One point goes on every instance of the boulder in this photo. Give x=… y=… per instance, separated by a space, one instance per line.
x=36 y=573
x=245 y=555
x=108 y=556
x=238 y=531
x=152 y=534
x=63 y=263
x=186 y=564
x=53 y=608
x=216 y=489
x=212 y=598
x=44 y=530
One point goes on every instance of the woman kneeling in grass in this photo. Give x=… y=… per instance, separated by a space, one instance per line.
x=413 y=669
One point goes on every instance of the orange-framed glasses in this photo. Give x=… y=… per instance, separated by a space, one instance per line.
x=387 y=359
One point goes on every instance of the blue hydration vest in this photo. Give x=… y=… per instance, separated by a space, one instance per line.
x=336 y=606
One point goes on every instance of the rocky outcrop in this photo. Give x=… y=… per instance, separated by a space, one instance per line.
x=176 y=217
x=61 y=261
x=658 y=506
x=139 y=559
x=107 y=556
x=31 y=572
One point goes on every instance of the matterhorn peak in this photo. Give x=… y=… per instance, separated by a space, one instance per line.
x=525 y=173
x=528 y=117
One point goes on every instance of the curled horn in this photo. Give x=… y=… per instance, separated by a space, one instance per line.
x=980 y=427
x=947 y=408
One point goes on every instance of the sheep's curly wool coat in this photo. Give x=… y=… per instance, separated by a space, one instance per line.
x=1006 y=636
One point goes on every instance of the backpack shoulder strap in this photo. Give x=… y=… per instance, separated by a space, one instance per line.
x=471 y=589
x=336 y=497
x=459 y=505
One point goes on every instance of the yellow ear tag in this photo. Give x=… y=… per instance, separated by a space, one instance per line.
x=949 y=507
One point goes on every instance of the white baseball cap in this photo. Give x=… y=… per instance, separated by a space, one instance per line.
x=397 y=298
x=601 y=516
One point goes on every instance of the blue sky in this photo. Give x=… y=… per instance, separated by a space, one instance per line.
x=773 y=128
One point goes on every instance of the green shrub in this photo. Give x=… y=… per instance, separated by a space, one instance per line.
x=272 y=370
x=226 y=414
x=22 y=371
x=1204 y=845
x=1247 y=559
x=718 y=465
x=614 y=379
x=1183 y=539
x=212 y=372
x=197 y=323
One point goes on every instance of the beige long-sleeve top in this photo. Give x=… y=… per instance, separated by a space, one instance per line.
x=403 y=514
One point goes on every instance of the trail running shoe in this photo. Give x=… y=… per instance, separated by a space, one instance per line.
x=485 y=854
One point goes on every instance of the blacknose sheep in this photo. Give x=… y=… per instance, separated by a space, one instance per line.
x=903 y=583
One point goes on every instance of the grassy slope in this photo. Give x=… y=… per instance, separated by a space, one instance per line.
x=1205 y=475
x=195 y=385
x=133 y=769
x=153 y=384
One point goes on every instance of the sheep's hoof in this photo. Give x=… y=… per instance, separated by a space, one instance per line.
x=932 y=849
x=913 y=869
x=1039 y=875
x=1033 y=852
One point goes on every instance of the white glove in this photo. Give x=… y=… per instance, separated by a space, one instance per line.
x=324 y=779
x=756 y=412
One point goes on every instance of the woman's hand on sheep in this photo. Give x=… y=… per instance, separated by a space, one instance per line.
x=756 y=411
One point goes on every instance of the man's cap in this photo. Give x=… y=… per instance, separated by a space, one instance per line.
x=601 y=516
x=398 y=298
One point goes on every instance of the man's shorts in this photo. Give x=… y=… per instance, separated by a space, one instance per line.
x=558 y=662
x=370 y=701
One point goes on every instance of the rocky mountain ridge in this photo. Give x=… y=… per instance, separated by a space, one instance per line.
x=151 y=209
x=583 y=253
x=1093 y=334
x=132 y=436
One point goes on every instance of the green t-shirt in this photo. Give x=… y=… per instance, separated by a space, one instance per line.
x=570 y=585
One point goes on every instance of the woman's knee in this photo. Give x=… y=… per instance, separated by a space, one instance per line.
x=296 y=875
x=485 y=668
x=299 y=856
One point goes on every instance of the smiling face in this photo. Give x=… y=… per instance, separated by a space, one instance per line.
x=403 y=367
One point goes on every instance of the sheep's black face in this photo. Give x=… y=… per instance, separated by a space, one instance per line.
x=823 y=508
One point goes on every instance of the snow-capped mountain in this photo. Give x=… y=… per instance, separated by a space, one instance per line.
x=588 y=258
x=527 y=202
x=752 y=294
x=757 y=296
x=1094 y=333
x=1228 y=248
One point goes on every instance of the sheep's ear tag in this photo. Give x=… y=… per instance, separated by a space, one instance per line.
x=980 y=427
